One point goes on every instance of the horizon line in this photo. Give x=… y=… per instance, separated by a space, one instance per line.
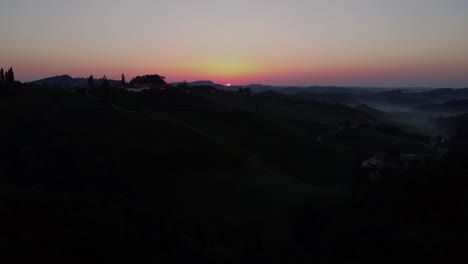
x=278 y=85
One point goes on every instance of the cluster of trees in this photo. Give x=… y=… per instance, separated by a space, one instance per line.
x=7 y=83
x=105 y=81
x=8 y=76
x=149 y=79
x=104 y=88
x=91 y=82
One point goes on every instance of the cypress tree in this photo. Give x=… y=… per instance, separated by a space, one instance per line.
x=11 y=75
x=91 y=82
x=7 y=76
x=106 y=88
x=2 y=75
x=105 y=81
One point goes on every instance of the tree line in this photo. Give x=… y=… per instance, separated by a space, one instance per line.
x=105 y=81
x=8 y=76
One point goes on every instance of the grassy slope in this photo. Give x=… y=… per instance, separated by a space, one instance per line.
x=194 y=129
x=230 y=164
x=146 y=152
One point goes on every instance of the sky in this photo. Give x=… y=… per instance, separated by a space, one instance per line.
x=386 y=43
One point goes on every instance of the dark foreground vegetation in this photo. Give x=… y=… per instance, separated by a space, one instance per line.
x=199 y=175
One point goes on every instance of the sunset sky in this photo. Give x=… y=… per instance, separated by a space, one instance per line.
x=391 y=43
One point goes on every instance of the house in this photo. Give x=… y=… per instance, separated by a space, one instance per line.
x=137 y=90
x=153 y=86
x=374 y=166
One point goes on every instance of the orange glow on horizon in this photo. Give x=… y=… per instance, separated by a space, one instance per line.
x=242 y=71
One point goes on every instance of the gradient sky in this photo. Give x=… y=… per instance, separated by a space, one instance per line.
x=392 y=43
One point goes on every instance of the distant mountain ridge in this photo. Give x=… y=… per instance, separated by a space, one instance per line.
x=295 y=90
x=405 y=98
x=333 y=94
x=202 y=83
x=453 y=106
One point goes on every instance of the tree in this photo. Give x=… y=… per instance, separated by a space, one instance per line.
x=148 y=79
x=9 y=76
x=91 y=82
x=106 y=88
x=105 y=82
x=123 y=80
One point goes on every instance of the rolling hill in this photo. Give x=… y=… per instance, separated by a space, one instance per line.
x=66 y=81
x=217 y=175
x=202 y=83
x=452 y=107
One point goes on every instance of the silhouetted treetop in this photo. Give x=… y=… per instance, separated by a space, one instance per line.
x=12 y=75
x=151 y=79
x=106 y=90
x=123 y=79
x=9 y=76
x=2 y=75
x=105 y=82
x=91 y=81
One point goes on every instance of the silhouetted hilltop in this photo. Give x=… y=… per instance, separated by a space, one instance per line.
x=396 y=98
x=202 y=83
x=446 y=94
x=403 y=97
x=271 y=93
x=453 y=106
x=294 y=90
x=341 y=98
x=260 y=88
x=62 y=80
x=329 y=89
x=206 y=83
x=68 y=81
x=371 y=110
x=406 y=97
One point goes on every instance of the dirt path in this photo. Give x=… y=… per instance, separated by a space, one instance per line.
x=320 y=138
